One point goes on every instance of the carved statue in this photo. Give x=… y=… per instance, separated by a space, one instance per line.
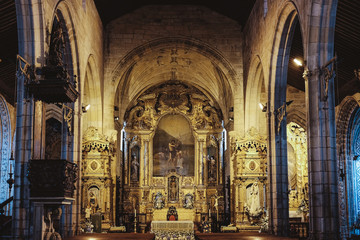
x=189 y=201
x=216 y=203
x=94 y=199
x=212 y=168
x=56 y=45
x=87 y=212
x=159 y=201
x=173 y=191
x=253 y=208
x=134 y=168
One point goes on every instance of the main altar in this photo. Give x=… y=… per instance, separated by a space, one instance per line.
x=172 y=157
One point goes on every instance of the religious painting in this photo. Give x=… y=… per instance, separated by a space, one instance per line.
x=173 y=189
x=173 y=147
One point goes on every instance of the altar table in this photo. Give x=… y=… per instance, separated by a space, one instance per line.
x=173 y=229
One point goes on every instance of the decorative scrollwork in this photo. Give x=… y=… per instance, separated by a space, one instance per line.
x=94 y=141
x=173 y=97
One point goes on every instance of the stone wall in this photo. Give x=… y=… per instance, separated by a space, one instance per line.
x=145 y=25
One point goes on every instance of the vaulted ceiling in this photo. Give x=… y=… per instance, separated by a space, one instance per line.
x=237 y=10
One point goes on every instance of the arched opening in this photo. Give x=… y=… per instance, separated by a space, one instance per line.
x=6 y=166
x=256 y=99
x=91 y=99
x=296 y=132
x=53 y=139
x=297 y=173
x=288 y=98
x=352 y=169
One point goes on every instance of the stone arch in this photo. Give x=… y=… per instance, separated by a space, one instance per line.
x=53 y=111
x=351 y=173
x=91 y=95
x=347 y=108
x=221 y=83
x=5 y=141
x=297 y=117
x=279 y=199
x=255 y=89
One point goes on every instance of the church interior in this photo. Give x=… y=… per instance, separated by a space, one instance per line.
x=172 y=119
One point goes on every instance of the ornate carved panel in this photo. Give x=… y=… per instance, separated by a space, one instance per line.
x=57 y=85
x=173 y=97
x=52 y=178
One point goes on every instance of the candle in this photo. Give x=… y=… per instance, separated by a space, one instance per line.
x=209 y=212
x=135 y=212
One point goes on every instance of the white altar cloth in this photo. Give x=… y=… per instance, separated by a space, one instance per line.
x=182 y=229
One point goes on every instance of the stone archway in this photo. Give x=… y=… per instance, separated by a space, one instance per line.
x=344 y=125
x=5 y=131
x=278 y=169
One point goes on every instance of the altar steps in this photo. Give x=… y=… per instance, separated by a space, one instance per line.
x=243 y=235
x=113 y=236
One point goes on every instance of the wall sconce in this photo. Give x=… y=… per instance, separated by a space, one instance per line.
x=116 y=118
x=280 y=114
x=263 y=107
x=85 y=108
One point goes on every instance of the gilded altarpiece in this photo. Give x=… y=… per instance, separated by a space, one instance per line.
x=98 y=176
x=297 y=171
x=176 y=129
x=248 y=176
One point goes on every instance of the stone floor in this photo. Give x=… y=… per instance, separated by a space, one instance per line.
x=201 y=236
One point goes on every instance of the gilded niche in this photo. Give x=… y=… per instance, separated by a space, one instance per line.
x=173 y=97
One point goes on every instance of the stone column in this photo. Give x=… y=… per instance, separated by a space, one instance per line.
x=278 y=174
x=323 y=191
x=21 y=218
